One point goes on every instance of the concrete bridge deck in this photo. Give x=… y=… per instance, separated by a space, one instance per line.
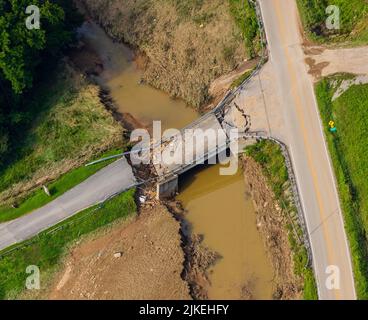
x=195 y=144
x=200 y=141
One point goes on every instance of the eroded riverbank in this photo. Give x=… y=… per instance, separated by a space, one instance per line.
x=122 y=77
x=221 y=209
x=218 y=208
x=272 y=225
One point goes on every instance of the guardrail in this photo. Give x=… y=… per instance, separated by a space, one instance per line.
x=232 y=94
x=300 y=218
x=225 y=102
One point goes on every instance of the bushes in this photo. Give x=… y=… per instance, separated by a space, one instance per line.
x=348 y=150
x=25 y=55
x=270 y=157
x=21 y=49
x=353 y=20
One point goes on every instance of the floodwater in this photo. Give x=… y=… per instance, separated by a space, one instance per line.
x=219 y=207
x=122 y=77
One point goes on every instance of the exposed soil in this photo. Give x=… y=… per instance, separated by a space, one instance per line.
x=199 y=258
x=310 y=50
x=88 y=62
x=272 y=225
x=221 y=85
x=316 y=69
x=92 y=272
x=150 y=265
x=159 y=260
x=151 y=257
x=328 y=59
x=85 y=60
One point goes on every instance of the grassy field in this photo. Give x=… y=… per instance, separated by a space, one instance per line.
x=47 y=249
x=245 y=17
x=66 y=182
x=68 y=125
x=353 y=21
x=269 y=156
x=349 y=152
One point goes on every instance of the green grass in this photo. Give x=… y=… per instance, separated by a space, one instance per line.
x=241 y=79
x=268 y=154
x=67 y=124
x=246 y=19
x=349 y=152
x=57 y=188
x=47 y=249
x=353 y=21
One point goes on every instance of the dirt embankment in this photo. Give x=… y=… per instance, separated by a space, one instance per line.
x=272 y=224
x=198 y=257
x=150 y=265
x=186 y=44
x=150 y=257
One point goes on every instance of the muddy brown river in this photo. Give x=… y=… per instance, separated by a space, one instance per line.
x=122 y=77
x=219 y=208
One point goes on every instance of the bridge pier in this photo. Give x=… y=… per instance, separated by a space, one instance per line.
x=167 y=188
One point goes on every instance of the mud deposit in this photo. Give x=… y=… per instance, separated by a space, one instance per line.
x=149 y=267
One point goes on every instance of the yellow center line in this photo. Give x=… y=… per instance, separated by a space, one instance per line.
x=298 y=103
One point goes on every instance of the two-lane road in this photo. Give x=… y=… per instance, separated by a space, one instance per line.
x=304 y=137
x=308 y=149
x=114 y=178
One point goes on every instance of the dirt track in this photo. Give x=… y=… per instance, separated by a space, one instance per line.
x=150 y=266
x=324 y=62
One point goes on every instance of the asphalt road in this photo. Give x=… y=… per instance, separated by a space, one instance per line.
x=308 y=150
x=306 y=143
x=112 y=179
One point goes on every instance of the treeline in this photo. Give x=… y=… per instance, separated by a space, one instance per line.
x=26 y=58
x=353 y=19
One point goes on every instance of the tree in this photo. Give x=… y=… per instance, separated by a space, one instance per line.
x=21 y=49
x=25 y=53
